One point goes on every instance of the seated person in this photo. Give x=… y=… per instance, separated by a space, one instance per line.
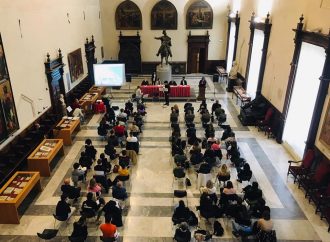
x=180 y=159
x=80 y=229
x=119 y=192
x=102 y=130
x=77 y=174
x=206 y=117
x=141 y=109
x=244 y=174
x=189 y=117
x=124 y=160
x=89 y=149
x=85 y=160
x=113 y=210
x=202 y=107
x=70 y=191
x=123 y=175
x=215 y=106
x=122 y=116
x=182 y=233
x=112 y=139
x=172 y=83
x=110 y=150
x=242 y=222
x=229 y=189
x=120 y=132
x=227 y=133
x=99 y=169
x=209 y=131
x=191 y=130
x=223 y=174
x=206 y=205
x=252 y=193
x=196 y=158
x=108 y=229
x=132 y=143
x=91 y=206
x=110 y=115
x=228 y=195
x=134 y=129
x=174 y=116
x=94 y=187
x=212 y=139
x=144 y=83
x=216 y=147
x=204 y=168
x=181 y=213
x=105 y=163
x=211 y=190
x=179 y=172
x=183 y=81
x=128 y=108
x=63 y=209
x=265 y=223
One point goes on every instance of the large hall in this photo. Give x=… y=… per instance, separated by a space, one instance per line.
x=116 y=113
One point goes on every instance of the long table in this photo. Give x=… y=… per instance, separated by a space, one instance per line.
x=222 y=73
x=176 y=91
x=65 y=128
x=41 y=157
x=86 y=102
x=241 y=94
x=14 y=192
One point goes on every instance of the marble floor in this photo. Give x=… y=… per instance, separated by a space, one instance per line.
x=148 y=215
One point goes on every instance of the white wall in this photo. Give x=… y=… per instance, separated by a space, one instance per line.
x=149 y=46
x=284 y=17
x=45 y=28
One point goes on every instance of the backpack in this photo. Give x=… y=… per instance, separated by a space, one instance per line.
x=217 y=229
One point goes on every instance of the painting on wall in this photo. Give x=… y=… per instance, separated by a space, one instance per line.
x=199 y=16
x=8 y=107
x=3 y=65
x=2 y=127
x=164 y=16
x=128 y=16
x=75 y=65
x=325 y=130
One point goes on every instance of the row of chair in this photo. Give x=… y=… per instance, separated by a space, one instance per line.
x=313 y=175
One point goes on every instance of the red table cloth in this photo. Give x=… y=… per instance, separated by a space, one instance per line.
x=176 y=91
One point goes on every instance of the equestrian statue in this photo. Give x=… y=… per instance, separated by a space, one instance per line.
x=165 y=47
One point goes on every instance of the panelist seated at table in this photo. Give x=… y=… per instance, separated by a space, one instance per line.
x=183 y=81
x=172 y=83
x=144 y=83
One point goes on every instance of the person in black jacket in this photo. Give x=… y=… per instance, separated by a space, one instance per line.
x=167 y=91
x=89 y=149
x=70 y=191
x=85 y=161
x=181 y=213
x=80 y=229
x=63 y=209
x=182 y=233
x=215 y=106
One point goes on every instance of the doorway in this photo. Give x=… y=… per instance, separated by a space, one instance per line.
x=197 y=53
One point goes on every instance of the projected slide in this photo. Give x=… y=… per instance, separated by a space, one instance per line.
x=111 y=75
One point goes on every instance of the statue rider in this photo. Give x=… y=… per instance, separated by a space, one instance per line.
x=165 y=45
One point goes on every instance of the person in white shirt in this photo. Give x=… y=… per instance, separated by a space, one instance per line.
x=78 y=113
x=138 y=94
x=131 y=138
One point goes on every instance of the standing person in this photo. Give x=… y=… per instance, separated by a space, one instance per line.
x=202 y=86
x=167 y=90
x=153 y=78
x=138 y=94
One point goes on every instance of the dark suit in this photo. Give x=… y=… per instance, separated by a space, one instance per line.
x=183 y=82
x=167 y=94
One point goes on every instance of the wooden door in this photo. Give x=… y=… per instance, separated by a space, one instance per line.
x=197 y=53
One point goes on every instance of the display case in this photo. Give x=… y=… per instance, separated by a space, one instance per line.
x=14 y=192
x=41 y=157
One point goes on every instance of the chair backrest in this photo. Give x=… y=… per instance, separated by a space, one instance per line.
x=180 y=193
x=269 y=114
x=308 y=159
x=107 y=239
x=322 y=170
x=59 y=218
